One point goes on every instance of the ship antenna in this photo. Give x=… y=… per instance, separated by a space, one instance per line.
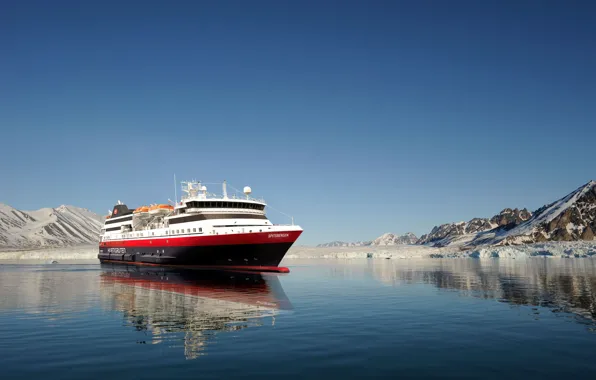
x=225 y=190
x=175 y=191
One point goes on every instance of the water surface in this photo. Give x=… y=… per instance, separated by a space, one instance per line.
x=448 y=318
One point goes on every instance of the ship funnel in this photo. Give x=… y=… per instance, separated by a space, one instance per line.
x=225 y=190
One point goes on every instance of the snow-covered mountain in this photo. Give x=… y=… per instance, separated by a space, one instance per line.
x=391 y=239
x=48 y=227
x=572 y=217
x=385 y=239
x=449 y=233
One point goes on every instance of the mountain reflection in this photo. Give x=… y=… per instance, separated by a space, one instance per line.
x=567 y=285
x=166 y=303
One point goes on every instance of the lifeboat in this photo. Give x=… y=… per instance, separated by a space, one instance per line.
x=160 y=209
x=141 y=209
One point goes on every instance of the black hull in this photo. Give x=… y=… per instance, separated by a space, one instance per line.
x=249 y=256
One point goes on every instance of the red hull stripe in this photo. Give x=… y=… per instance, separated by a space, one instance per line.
x=207 y=240
x=256 y=268
x=257 y=296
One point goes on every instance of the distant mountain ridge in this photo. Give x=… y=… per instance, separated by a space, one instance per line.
x=383 y=240
x=445 y=234
x=48 y=227
x=570 y=218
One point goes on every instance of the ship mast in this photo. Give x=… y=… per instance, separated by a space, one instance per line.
x=224 y=190
x=175 y=191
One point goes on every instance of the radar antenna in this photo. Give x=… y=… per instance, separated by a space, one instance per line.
x=247 y=191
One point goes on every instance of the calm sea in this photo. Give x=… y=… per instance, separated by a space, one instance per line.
x=438 y=318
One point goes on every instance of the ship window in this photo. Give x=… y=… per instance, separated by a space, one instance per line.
x=188 y=230
x=194 y=230
x=177 y=231
x=200 y=229
x=166 y=232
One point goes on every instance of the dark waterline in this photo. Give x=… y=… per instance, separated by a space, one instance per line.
x=452 y=318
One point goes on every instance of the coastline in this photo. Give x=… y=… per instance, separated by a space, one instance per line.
x=575 y=249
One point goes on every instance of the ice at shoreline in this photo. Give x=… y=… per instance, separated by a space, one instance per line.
x=554 y=249
x=68 y=253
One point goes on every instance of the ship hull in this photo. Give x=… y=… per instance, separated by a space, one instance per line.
x=239 y=252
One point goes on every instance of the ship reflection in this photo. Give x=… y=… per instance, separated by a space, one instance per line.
x=190 y=307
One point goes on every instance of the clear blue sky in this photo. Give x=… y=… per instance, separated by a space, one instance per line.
x=358 y=118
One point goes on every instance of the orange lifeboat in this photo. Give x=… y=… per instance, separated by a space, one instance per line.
x=161 y=208
x=141 y=209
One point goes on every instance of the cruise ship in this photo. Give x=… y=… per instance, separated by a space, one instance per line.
x=201 y=229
